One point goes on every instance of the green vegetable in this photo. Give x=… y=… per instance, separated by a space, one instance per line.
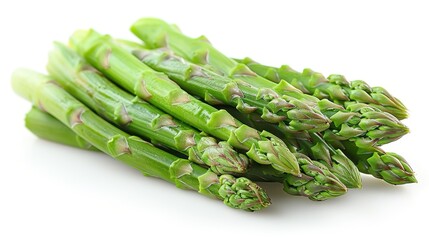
x=46 y=94
x=158 y=34
x=375 y=127
x=312 y=145
x=216 y=89
x=335 y=87
x=138 y=117
x=316 y=182
x=156 y=88
x=47 y=127
x=389 y=166
x=361 y=122
x=356 y=121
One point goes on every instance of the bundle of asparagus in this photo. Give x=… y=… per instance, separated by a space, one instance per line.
x=215 y=124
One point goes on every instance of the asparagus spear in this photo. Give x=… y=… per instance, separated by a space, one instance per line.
x=217 y=89
x=373 y=118
x=127 y=71
x=335 y=87
x=389 y=166
x=157 y=34
x=361 y=122
x=369 y=158
x=207 y=83
x=47 y=127
x=310 y=144
x=316 y=182
x=354 y=122
x=138 y=117
x=238 y=193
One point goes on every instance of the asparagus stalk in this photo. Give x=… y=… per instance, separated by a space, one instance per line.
x=217 y=89
x=127 y=71
x=389 y=166
x=157 y=34
x=335 y=87
x=47 y=127
x=209 y=85
x=361 y=122
x=353 y=119
x=138 y=117
x=312 y=145
x=354 y=122
x=316 y=182
x=44 y=93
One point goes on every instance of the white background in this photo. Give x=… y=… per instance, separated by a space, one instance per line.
x=48 y=191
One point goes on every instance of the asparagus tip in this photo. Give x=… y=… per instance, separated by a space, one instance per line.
x=395 y=169
x=316 y=182
x=242 y=193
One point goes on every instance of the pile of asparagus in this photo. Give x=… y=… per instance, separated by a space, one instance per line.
x=176 y=108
